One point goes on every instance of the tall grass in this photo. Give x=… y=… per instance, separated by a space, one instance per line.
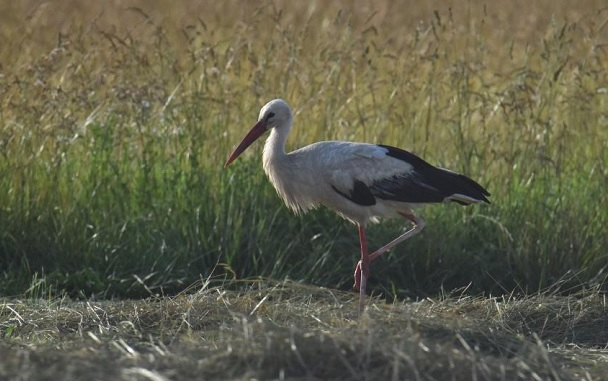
x=112 y=143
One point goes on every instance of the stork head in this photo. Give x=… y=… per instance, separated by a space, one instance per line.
x=275 y=114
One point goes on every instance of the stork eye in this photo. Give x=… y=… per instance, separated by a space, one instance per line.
x=270 y=115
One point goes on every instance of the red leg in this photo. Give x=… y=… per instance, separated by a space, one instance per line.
x=418 y=223
x=362 y=269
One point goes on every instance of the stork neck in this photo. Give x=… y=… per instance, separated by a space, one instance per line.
x=274 y=147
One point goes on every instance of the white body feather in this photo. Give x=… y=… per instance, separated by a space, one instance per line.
x=305 y=178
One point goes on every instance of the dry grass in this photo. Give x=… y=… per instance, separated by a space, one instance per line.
x=291 y=331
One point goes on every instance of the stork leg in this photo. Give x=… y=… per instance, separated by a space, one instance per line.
x=362 y=269
x=418 y=225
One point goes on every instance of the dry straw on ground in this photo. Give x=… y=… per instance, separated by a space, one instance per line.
x=286 y=330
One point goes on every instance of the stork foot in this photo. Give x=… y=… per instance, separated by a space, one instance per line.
x=357 y=276
x=360 y=279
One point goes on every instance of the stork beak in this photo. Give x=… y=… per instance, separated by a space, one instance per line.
x=258 y=129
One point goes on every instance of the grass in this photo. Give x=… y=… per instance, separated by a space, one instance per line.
x=292 y=331
x=114 y=125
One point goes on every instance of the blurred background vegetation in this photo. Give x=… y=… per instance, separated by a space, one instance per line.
x=116 y=118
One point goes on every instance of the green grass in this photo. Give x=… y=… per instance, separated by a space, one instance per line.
x=113 y=138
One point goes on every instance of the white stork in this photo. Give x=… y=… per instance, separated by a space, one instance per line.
x=359 y=181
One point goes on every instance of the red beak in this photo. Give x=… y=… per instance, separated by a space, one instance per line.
x=258 y=129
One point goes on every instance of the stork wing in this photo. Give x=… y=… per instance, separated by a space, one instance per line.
x=364 y=173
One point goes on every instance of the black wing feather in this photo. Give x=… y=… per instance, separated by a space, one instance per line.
x=425 y=183
x=359 y=194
